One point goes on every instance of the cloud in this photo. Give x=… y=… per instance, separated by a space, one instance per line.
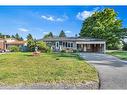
x=59 y=19
x=53 y=18
x=45 y=32
x=49 y=18
x=23 y=29
x=85 y=14
x=67 y=32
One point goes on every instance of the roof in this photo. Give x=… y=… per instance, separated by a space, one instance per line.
x=13 y=42
x=1 y=38
x=71 y=39
x=17 y=42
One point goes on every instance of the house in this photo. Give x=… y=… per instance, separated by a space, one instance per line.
x=8 y=42
x=76 y=44
x=125 y=39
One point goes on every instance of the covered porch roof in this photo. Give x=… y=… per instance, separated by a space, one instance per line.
x=91 y=42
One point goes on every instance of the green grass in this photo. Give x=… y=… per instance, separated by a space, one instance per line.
x=22 y=68
x=120 y=54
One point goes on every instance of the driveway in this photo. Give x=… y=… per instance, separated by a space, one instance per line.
x=112 y=71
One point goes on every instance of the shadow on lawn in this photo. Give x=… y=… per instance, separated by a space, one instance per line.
x=70 y=55
x=58 y=55
x=28 y=54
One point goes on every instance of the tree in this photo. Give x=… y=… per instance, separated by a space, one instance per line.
x=42 y=46
x=62 y=34
x=0 y=35
x=4 y=36
x=7 y=36
x=104 y=25
x=21 y=39
x=12 y=36
x=29 y=37
x=76 y=35
x=31 y=45
x=17 y=37
x=49 y=35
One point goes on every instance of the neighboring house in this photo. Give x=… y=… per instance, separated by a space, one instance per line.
x=76 y=44
x=2 y=44
x=8 y=42
x=125 y=39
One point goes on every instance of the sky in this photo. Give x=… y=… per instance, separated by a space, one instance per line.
x=40 y=20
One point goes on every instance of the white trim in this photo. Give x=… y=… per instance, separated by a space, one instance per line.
x=96 y=42
x=104 y=48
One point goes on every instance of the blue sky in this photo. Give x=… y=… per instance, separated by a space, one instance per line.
x=39 y=20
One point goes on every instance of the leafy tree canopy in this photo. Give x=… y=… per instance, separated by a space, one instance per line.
x=104 y=25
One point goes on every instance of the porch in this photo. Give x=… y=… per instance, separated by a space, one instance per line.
x=91 y=47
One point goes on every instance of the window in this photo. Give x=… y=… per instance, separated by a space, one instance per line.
x=71 y=44
x=57 y=44
x=68 y=44
x=60 y=43
x=63 y=44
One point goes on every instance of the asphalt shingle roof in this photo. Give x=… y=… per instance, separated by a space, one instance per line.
x=70 y=39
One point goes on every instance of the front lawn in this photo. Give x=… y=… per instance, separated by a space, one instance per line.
x=120 y=54
x=23 y=68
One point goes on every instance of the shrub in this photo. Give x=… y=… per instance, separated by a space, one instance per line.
x=74 y=51
x=124 y=46
x=24 y=49
x=63 y=51
x=43 y=47
x=14 y=48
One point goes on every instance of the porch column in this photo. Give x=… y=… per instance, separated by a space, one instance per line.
x=75 y=45
x=5 y=45
x=104 y=47
x=84 y=47
x=101 y=49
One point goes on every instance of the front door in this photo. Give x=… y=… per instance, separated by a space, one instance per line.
x=57 y=46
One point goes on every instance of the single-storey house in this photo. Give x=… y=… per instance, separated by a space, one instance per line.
x=8 y=42
x=76 y=44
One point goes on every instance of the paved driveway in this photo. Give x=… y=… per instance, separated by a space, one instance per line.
x=112 y=71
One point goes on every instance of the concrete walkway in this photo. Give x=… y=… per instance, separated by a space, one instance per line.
x=112 y=71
